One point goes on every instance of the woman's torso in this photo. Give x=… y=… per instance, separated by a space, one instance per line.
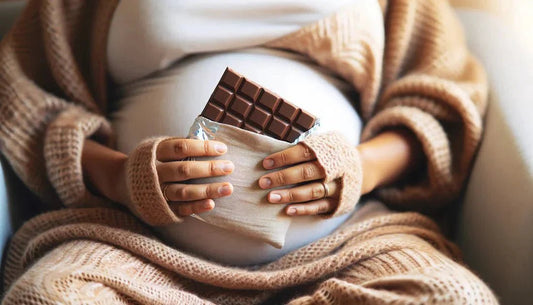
x=167 y=102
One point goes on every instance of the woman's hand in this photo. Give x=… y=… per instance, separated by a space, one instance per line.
x=105 y=171
x=173 y=171
x=311 y=198
x=385 y=159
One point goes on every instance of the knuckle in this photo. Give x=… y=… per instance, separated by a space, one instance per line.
x=280 y=178
x=323 y=208
x=181 y=147
x=317 y=192
x=183 y=193
x=307 y=152
x=308 y=172
x=283 y=157
x=206 y=147
x=205 y=191
x=313 y=210
x=291 y=196
x=213 y=169
x=184 y=171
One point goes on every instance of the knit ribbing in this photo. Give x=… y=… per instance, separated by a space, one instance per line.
x=147 y=200
x=63 y=151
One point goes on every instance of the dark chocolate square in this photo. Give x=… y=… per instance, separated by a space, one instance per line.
x=222 y=96
x=268 y=100
x=232 y=120
x=241 y=107
x=278 y=128
x=259 y=117
x=231 y=79
x=287 y=111
x=250 y=89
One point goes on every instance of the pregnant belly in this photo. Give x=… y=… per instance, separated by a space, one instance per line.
x=168 y=102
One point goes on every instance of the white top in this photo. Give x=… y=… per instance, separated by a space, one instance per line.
x=167 y=102
x=148 y=35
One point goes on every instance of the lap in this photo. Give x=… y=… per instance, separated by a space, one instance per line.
x=383 y=257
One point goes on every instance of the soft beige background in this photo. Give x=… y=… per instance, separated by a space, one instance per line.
x=517 y=13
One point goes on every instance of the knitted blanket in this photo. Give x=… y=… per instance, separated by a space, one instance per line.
x=104 y=256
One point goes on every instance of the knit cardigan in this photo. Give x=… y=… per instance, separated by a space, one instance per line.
x=407 y=59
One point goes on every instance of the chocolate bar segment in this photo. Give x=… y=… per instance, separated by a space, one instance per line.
x=242 y=103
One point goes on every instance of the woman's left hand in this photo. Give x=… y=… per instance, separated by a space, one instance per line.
x=311 y=198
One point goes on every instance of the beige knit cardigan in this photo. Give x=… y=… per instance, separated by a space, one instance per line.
x=406 y=58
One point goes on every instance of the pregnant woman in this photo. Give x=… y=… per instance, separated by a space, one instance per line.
x=400 y=101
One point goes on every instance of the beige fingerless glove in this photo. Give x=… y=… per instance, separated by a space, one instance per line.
x=146 y=199
x=339 y=159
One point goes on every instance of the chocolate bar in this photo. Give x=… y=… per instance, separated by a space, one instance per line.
x=242 y=103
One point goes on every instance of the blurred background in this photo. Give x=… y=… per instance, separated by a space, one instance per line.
x=518 y=14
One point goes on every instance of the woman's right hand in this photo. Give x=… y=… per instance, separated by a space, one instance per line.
x=173 y=171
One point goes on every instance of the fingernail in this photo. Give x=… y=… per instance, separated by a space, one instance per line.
x=265 y=182
x=225 y=189
x=291 y=211
x=221 y=148
x=226 y=166
x=275 y=197
x=268 y=163
x=208 y=204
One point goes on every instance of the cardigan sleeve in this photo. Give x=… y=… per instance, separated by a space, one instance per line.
x=48 y=99
x=434 y=87
x=409 y=62
x=53 y=97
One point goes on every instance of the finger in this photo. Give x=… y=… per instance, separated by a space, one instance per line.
x=316 y=207
x=183 y=209
x=177 y=149
x=293 y=155
x=185 y=170
x=304 y=193
x=295 y=174
x=192 y=192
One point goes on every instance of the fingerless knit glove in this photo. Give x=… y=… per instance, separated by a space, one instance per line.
x=146 y=199
x=340 y=160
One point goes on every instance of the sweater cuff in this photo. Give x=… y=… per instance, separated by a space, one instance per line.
x=146 y=198
x=63 y=146
x=340 y=160
x=437 y=186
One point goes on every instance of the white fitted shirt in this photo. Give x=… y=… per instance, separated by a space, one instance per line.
x=148 y=35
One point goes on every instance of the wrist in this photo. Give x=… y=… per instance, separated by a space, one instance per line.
x=105 y=171
x=118 y=189
x=388 y=157
x=370 y=176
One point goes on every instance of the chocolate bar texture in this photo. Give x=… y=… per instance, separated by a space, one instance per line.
x=242 y=103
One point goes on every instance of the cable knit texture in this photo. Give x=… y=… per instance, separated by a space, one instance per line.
x=409 y=62
x=339 y=159
x=147 y=200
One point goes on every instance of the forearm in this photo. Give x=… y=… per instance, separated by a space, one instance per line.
x=389 y=157
x=104 y=170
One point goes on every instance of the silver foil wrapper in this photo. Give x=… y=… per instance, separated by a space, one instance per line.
x=205 y=129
